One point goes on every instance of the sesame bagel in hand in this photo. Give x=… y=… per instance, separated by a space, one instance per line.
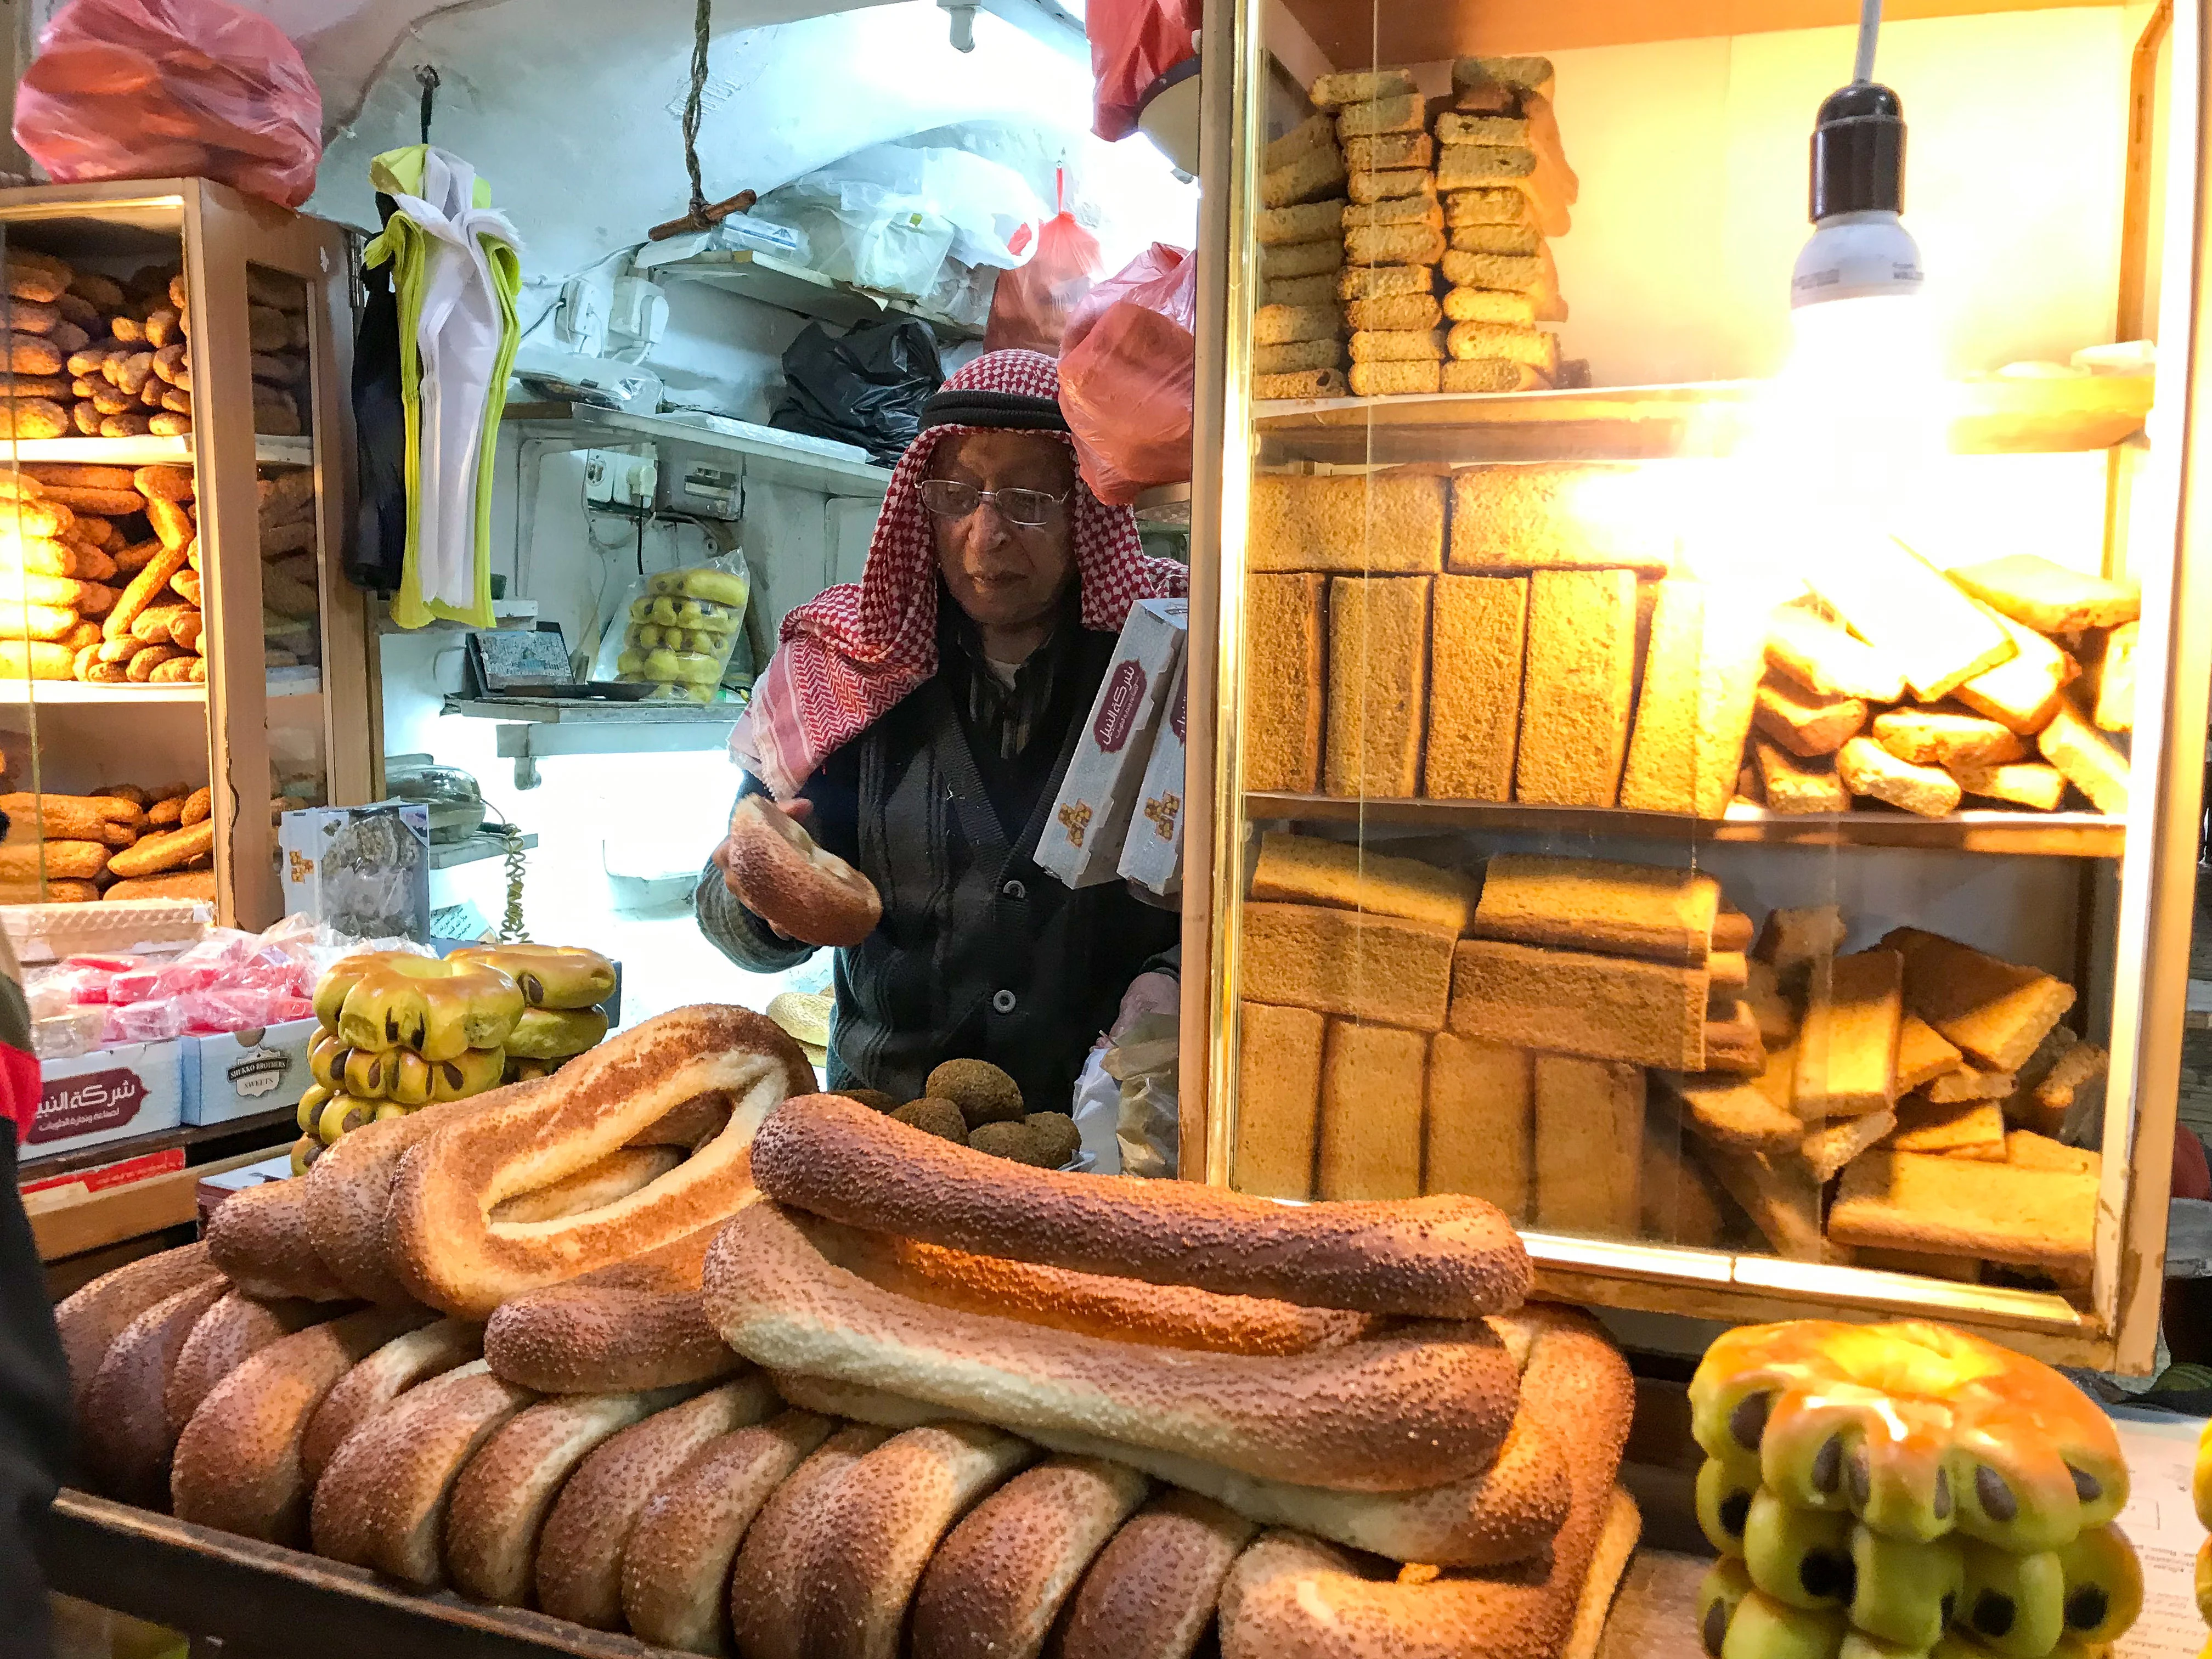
x=780 y=874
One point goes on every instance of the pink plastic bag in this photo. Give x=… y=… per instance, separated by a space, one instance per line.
x=1132 y=43
x=1030 y=306
x=1126 y=375
x=172 y=88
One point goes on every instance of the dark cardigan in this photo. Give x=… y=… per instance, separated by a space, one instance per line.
x=980 y=954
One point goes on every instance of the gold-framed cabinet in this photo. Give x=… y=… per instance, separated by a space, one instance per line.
x=172 y=615
x=1573 y=585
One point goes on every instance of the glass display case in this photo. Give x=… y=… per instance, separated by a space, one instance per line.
x=180 y=658
x=1705 y=752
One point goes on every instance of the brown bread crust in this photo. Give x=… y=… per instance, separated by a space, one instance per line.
x=262 y=1238
x=1295 y=1597
x=447 y=1251
x=996 y=1582
x=1436 y=1258
x=237 y=1465
x=381 y=1502
x=1398 y=1412
x=91 y=1317
x=639 y=1324
x=506 y=1491
x=769 y=1575
x=230 y=1334
x=127 y=1439
x=580 y=1554
x=878 y=1532
x=676 y=1569
x=363 y=1392
x=1152 y=1592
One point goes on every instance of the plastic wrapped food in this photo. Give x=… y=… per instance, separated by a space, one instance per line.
x=678 y=631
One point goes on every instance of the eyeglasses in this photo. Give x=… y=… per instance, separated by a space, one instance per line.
x=949 y=498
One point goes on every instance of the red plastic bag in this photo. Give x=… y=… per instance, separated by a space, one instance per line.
x=1127 y=373
x=1031 y=304
x=1132 y=43
x=172 y=88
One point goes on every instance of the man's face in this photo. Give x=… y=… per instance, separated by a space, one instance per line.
x=1003 y=575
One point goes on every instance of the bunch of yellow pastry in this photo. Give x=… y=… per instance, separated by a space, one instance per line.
x=562 y=986
x=401 y=1031
x=1879 y=1491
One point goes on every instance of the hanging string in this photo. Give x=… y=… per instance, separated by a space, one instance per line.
x=426 y=76
x=701 y=29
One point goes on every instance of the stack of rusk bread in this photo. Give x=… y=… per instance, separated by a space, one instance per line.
x=551 y=1346
x=1905 y=1488
x=1470 y=189
x=1522 y=632
x=398 y=1032
x=1606 y=1048
x=119 y=841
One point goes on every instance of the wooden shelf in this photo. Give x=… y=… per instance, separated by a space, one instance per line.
x=2057 y=834
x=1355 y=33
x=301 y=682
x=472 y=849
x=1991 y=417
x=560 y=711
x=770 y=457
x=151 y=451
x=790 y=286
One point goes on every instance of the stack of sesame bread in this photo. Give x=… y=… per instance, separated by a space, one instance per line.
x=1608 y=1048
x=1523 y=633
x=1411 y=190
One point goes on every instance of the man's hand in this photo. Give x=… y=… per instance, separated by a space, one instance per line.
x=797 y=812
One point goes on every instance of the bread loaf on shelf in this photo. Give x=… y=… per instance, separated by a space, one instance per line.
x=1575 y=703
x=1278 y=1100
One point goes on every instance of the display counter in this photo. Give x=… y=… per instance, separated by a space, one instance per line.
x=1721 y=782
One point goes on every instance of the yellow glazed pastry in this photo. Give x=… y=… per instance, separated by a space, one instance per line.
x=1915 y=1429
x=555 y=1034
x=438 y=1008
x=550 y=976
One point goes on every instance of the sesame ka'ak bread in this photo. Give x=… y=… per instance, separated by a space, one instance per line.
x=1363 y=524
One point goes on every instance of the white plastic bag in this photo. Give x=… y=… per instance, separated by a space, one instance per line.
x=1142 y=1061
x=1097 y=1114
x=888 y=218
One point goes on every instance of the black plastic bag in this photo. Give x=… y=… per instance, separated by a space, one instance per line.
x=379 y=546
x=867 y=388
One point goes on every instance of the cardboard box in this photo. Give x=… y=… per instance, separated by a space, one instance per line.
x=244 y=1073
x=111 y=1094
x=1151 y=853
x=363 y=870
x=1082 y=838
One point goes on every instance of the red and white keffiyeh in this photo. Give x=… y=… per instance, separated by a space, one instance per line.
x=851 y=653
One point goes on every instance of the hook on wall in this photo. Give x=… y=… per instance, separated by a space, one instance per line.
x=426 y=76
